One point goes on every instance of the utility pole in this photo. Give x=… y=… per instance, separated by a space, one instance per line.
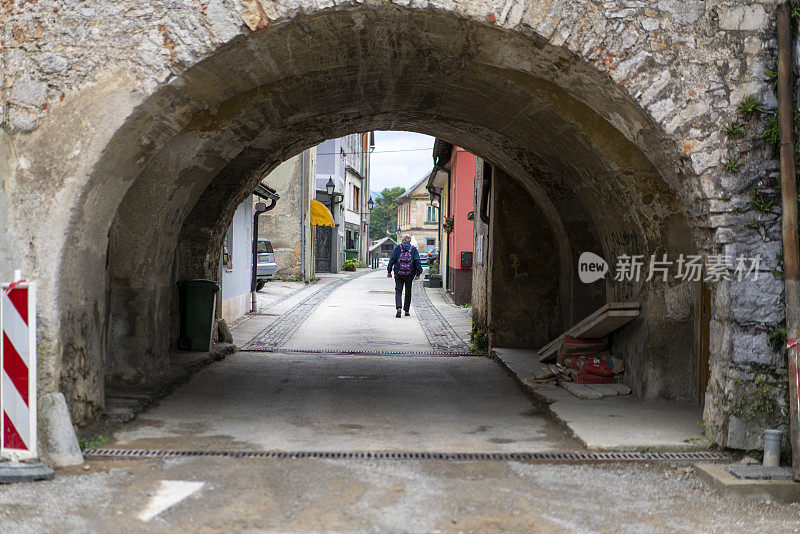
x=791 y=256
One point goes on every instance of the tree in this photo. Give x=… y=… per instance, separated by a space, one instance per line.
x=383 y=218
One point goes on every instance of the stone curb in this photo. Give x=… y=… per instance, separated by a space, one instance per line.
x=716 y=476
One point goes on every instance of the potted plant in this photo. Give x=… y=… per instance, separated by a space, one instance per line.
x=449 y=224
x=434 y=277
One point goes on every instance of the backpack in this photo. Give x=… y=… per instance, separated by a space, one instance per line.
x=405 y=265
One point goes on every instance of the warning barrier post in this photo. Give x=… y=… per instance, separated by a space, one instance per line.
x=18 y=424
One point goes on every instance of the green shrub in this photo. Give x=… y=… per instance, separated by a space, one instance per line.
x=93 y=444
x=351 y=265
x=480 y=339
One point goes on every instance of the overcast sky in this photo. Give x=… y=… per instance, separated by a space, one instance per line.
x=391 y=168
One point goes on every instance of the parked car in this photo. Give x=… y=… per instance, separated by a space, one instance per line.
x=431 y=256
x=265 y=263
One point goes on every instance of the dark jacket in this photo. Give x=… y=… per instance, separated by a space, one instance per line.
x=395 y=258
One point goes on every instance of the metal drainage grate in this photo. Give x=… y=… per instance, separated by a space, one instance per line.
x=346 y=352
x=542 y=457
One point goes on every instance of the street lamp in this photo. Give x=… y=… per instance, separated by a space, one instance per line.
x=330 y=186
x=370 y=204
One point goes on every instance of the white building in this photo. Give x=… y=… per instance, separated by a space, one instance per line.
x=345 y=163
x=237 y=263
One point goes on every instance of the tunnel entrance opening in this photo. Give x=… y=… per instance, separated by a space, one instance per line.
x=579 y=167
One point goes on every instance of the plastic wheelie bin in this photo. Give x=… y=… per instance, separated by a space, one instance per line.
x=198 y=302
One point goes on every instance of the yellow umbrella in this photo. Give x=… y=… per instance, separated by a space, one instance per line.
x=320 y=215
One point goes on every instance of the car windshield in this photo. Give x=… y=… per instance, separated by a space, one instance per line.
x=264 y=246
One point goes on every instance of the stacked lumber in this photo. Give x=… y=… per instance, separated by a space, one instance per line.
x=555 y=375
x=599 y=324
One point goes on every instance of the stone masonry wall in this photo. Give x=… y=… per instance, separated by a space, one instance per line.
x=92 y=91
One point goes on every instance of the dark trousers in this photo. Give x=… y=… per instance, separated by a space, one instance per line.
x=401 y=282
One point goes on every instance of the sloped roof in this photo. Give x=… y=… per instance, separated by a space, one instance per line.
x=410 y=190
x=380 y=242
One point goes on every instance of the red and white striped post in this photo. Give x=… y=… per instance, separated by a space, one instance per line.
x=18 y=364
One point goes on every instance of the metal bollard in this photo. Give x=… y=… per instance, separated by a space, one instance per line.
x=772 y=448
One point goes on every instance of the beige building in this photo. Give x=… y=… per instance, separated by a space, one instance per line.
x=417 y=217
x=287 y=226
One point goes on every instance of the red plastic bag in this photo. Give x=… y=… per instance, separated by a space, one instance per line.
x=591 y=364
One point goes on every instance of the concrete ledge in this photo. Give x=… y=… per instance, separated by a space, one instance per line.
x=716 y=476
x=125 y=402
x=610 y=423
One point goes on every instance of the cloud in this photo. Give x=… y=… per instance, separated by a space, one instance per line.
x=390 y=168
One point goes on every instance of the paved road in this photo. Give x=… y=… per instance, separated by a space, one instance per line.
x=329 y=402
x=336 y=402
x=300 y=402
x=361 y=315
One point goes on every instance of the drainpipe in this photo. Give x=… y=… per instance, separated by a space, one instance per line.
x=261 y=207
x=303 y=183
x=791 y=257
x=486 y=187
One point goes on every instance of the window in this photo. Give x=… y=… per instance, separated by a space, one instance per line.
x=430 y=244
x=263 y=246
x=227 y=250
x=433 y=214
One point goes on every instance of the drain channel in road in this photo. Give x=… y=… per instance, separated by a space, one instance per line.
x=440 y=354
x=539 y=457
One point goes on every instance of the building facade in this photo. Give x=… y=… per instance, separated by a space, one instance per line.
x=236 y=265
x=287 y=226
x=343 y=162
x=453 y=181
x=382 y=248
x=418 y=216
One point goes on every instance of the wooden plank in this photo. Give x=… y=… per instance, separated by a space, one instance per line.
x=605 y=324
x=607 y=390
x=582 y=391
x=549 y=351
x=602 y=322
x=556 y=342
x=533 y=384
x=591 y=319
x=621 y=389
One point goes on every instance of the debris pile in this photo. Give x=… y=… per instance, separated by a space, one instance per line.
x=583 y=364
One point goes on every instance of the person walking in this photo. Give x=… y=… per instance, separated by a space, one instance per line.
x=407 y=268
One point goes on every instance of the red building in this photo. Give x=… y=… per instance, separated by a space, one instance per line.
x=453 y=180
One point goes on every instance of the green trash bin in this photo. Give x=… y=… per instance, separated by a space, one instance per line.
x=198 y=302
x=350 y=254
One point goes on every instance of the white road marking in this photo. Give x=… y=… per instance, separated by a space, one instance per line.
x=170 y=493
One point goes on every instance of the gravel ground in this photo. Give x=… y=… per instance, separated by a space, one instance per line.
x=379 y=496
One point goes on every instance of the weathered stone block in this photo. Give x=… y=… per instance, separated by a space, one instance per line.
x=59 y=444
x=752 y=17
x=759 y=302
x=28 y=91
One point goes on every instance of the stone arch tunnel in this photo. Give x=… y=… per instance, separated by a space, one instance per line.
x=602 y=123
